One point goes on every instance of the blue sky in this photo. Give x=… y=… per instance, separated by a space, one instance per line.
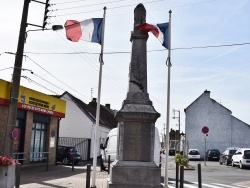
x=58 y=64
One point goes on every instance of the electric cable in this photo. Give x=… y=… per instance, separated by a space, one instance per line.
x=97 y=10
x=111 y=53
x=90 y=5
x=110 y=75
x=56 y=78
x=34 y=82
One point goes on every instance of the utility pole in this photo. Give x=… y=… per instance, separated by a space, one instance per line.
x=16 y=77
x=179 y=117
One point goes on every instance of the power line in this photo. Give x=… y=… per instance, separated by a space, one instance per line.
x=134 y=4
x=214 y=46
x=91 y=5
x=32 y=81
x=49 y=82
x=71 y=2
x=108 y=53
x=6 y=68
x=56 y=78
x=97 y=10
x=110 y=76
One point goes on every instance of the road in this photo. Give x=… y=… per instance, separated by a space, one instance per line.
x=213 y=175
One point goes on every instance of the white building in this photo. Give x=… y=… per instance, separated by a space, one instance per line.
x=78 y=126
x=225 y=130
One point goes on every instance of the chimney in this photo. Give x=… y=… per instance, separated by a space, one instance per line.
x=93 y=103
x=207 y=93
x=107 y=106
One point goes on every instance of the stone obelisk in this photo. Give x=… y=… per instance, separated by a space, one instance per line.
x=134 y=166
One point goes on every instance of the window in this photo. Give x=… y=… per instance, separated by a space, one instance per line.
x=232 y=152
x=247 y=154
x=38 y=142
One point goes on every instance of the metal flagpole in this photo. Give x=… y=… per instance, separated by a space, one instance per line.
x=98 y=104
x=168 y=102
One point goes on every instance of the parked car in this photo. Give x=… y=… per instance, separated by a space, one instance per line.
x=194 y=154
x=171 y=152
x=226 y=156
x=213 y=154
x=241 y=158
x=66 y=154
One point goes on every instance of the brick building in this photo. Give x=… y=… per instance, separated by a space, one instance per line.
x=176 y=140
x=37 y=123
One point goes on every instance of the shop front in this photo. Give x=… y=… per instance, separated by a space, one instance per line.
x=37 y=124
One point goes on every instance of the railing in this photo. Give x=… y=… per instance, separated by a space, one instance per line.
x=17 y=156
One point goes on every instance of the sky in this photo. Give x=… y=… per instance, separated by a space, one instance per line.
x=210 y=45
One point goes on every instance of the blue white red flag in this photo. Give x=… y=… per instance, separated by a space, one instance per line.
x=88 y=30
x=160 y=31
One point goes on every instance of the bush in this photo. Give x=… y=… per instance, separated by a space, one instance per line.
x=181 y=159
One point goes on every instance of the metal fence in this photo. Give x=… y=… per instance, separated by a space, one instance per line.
x=82 y=144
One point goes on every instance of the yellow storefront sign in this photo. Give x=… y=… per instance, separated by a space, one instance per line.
x=32 y=100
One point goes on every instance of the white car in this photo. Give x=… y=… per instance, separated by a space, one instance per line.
x=241 y=158
x=194 y=154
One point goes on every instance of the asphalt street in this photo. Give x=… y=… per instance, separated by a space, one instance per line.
x=60 y=176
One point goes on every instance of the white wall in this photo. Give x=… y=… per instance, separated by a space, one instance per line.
x=75 y=124
x=103 y=133
x=224 y=129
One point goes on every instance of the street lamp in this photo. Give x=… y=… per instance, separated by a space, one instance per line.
x=16 y=77
x=179 y=138
x=54 y=28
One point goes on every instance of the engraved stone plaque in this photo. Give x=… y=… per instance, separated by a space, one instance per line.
x=137 y=142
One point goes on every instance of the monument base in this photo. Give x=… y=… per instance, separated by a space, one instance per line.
x=134 y=174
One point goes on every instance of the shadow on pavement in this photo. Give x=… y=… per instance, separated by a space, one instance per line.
x=38 y=173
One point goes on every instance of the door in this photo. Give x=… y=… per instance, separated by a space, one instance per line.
x=38 y=142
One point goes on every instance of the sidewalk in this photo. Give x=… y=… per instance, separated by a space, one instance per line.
x=60 y=176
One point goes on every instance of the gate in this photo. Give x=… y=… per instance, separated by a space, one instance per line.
x=82 y=144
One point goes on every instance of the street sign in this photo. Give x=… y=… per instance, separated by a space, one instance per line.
x=14 y=133
x=205 y=130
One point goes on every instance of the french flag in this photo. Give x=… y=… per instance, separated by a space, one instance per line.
x=160 y=31
x=89 y=30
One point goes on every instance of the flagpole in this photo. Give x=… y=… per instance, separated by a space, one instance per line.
x=98 y=104
x=168 y=103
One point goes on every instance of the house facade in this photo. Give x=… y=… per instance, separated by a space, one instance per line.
x=176 y=140
x=37 y=123
x=225 y=130
x=78 y=126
